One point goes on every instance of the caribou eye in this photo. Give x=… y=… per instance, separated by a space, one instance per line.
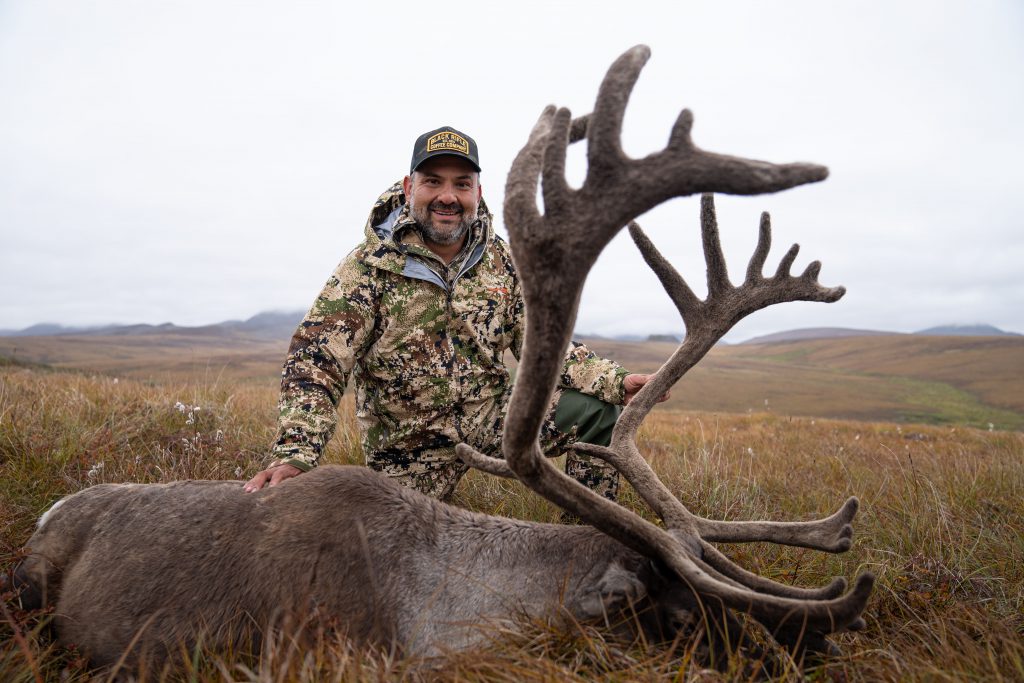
x=680 y=622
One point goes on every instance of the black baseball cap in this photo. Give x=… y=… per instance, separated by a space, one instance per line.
x=444 y=141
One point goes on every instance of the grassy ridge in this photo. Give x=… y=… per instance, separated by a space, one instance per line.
x=167 y=357
x=973 y=381
x=982 y=366
x=942 y=525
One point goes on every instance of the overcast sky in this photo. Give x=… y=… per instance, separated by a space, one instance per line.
x=192 y=162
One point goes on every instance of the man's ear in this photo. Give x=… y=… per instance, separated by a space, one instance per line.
x=407 y=186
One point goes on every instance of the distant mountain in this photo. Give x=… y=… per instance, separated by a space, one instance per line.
x=45 y=330
x=273 y=320
x=125 y=330
x=815 y=333
x=966 y=331
x=840 y=332
x=266 y=325
x=583 y=336
x=282 y=324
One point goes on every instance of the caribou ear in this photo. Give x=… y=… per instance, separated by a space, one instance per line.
x=614 y=591
x=30 y=592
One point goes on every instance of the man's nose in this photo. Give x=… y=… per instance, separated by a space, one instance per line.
x=447 y=195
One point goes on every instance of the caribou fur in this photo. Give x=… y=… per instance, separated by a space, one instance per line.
x=156 y=566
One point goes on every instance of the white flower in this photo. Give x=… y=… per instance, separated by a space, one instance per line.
x=180 y=407
x=238 y=472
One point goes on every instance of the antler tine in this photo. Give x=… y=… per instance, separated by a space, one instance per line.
x=721 y=568
x=715 y=559
x=555 y=187
x=578 y=129
x=680 y=139
x=682 y=296
x=604 y=150
x=764 y=244
x=825 y=616
x=787 y=262
x=642 y=478
x=521 y=184
x=717 y=272
x=832 y=534
x=484 y=463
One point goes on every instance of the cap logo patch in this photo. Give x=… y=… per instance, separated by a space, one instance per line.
x=448 y=141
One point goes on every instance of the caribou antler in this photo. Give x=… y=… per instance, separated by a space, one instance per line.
x=553 y=254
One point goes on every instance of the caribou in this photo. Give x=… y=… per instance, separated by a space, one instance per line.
x=140 y=570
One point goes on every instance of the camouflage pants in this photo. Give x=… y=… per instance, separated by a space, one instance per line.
x=573 y=417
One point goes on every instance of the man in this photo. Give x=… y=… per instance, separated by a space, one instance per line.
x=421 y=313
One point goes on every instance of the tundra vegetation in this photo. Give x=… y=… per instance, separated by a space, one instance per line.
x=941 y=526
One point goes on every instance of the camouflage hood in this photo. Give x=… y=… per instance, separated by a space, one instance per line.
x=391 y=235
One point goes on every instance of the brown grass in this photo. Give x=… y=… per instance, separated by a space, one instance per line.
x=942 y=525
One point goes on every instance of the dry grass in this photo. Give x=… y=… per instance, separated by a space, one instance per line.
x=942 y=525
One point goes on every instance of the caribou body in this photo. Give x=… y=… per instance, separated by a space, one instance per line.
x=156 y=566
x=148 y=567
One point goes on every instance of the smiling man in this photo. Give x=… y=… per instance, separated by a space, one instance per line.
x=421 y=313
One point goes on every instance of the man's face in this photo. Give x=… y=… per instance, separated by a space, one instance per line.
x=443 y=194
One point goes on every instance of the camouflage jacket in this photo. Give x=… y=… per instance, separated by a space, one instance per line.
x=425 y=342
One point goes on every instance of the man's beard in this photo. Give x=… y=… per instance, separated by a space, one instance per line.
x=442 y=236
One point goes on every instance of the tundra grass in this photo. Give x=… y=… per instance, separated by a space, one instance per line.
x=941 y=403
x=941 y=525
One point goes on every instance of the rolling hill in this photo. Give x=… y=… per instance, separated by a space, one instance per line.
x=977 y=381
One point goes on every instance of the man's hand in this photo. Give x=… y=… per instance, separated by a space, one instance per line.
x=634 y=383
x=274 y=474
